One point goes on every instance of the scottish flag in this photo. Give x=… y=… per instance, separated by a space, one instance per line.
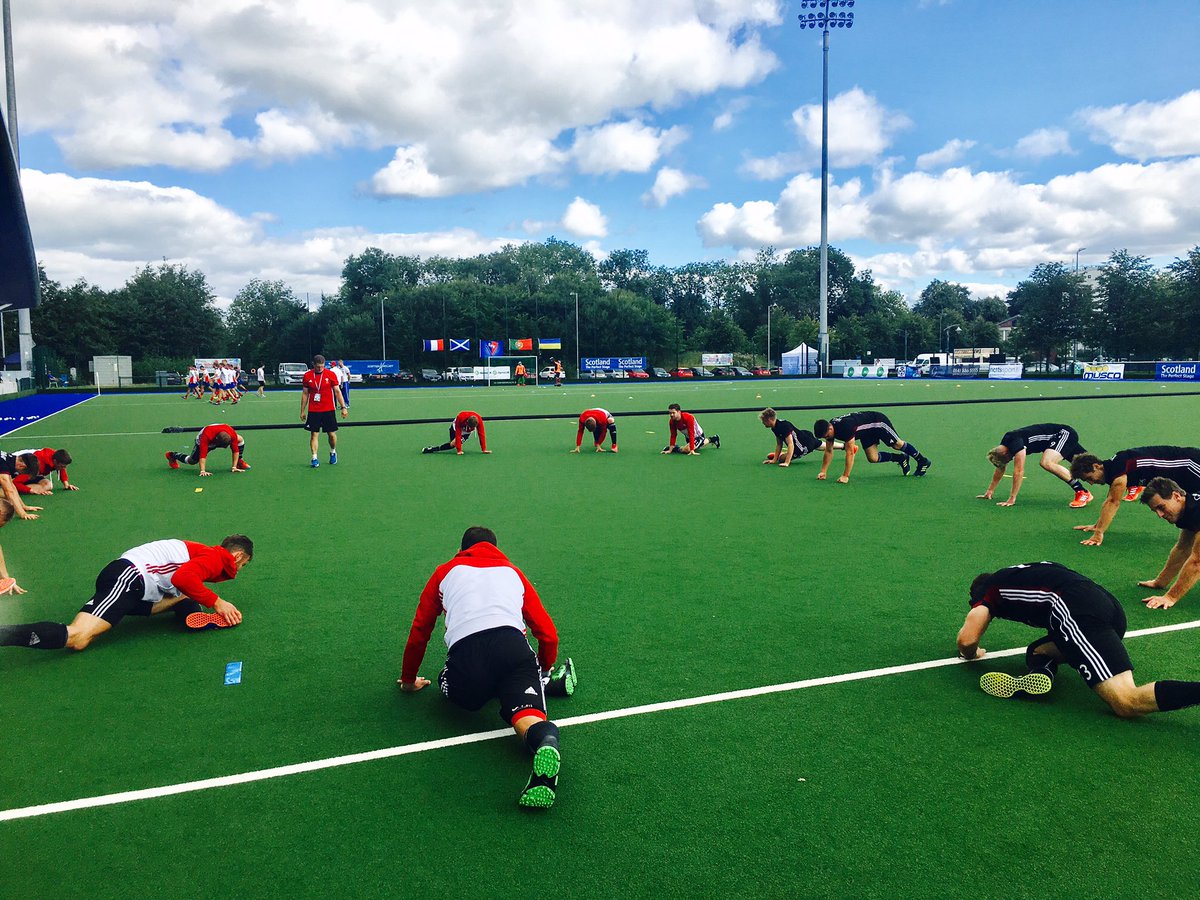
x=463 y=344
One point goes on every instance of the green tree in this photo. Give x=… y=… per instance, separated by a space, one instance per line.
x=1054 y=308
x=1125 y=296
x=168 y=310
x=1184 y=288
x=75 y=322
x=265 y=325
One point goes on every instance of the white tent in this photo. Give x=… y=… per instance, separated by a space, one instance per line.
x=801 y=360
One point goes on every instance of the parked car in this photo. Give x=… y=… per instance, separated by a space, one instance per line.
x=760 y=370
x=430 y=375
x=290 y=373
x=775 y=370
x=636 y=373
x=405 y=377
x=618 y=373
x=683 y=373
x=742 y=372
x=459 y=373
x=592 y=376
x=724 y=372
x=656 y=372
x=701 y=372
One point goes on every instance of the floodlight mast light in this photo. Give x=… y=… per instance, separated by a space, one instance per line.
x=825 y=18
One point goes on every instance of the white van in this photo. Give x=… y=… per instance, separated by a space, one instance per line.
x=291 y=373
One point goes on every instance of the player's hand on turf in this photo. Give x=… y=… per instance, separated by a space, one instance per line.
x=599 y=449
x=844 y=479
x=1095 y=540
x=235 y=470
x=1158 y=602
x=784 y=465
x=205 y=474
x=1007 y=503
x=227 y=611
x=70 y=487
x=820 y=476
x=1152 y=583
x=27 y=514
x=485 y=451
x=576 y=450
x=987 y=495
x=411 y=687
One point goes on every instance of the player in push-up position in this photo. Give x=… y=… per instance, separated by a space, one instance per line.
x=1127 y=472
x=790 y=441
x=867 y=428
x=217 y=436
x=1053 y=442
x=686 y=422
x=465 y=424
x=597 y=421
x=49 y=462
x=1085 y=627
x=487 y=602
x=1171 y=503
x=147 y=580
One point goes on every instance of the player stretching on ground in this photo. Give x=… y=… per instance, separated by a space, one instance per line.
x=12 y=466
x=49 y=462
x=8 y=584
x=488 y=601
x=1173 y=504
x=685 y=421
x=867 y=428
x=464 y=425
x=147 y=580
x=213 y=436
x=1053 y=442
x=1126 y=472
x=790 y=441
x=1085 y=627
x=597 y=421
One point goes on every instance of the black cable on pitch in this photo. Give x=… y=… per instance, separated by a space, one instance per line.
x=441 y=420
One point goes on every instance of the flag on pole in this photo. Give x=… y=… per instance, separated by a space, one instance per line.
x=438 y=344
x=457 y=344
x=550 y=343
x=519 y=344
x=488 y=349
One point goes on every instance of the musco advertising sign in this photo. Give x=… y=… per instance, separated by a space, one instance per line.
x=1104 y=372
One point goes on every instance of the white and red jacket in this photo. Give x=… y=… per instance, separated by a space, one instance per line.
x=209 y=433
x=460 y=422
x=181 y=567
x=686 y=423
x=602 y=418
x=478 y=589
x=45 y=457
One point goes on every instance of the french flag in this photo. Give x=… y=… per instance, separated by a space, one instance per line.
x=435 y=344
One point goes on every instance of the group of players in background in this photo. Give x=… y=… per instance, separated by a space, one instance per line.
x=487 y=601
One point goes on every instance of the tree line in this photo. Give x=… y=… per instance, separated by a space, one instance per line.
x=167 y=314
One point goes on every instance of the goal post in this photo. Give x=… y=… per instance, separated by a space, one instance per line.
x=531 y=367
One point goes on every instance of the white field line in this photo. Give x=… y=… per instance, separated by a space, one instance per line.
x=334 y=762
x=41 y=419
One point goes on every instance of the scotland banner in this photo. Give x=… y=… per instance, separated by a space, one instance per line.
x=457 y=344
x=1177 y=371
x=434 y=345
x=488 y=349
x=611 y=363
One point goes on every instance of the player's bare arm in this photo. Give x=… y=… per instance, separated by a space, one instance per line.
x=1175 y=559
x=826 y=459
x=791 y=450
x=997 y=475
x=1189 y=574
x=851 y=449
x=971 y=633
x=1112 y=503
x=1018 y=478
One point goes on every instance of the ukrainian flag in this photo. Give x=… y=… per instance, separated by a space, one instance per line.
x=549 y=343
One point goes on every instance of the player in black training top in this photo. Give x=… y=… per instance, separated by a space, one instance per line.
x=790 y=441
x=1127 y=472
x=1054 y=442
x=1085 y=627
x=1172 y=503
x=867 y=428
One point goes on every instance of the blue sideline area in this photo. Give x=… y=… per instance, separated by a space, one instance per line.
x=22 y=411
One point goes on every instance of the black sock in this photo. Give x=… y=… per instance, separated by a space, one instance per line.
x=1078 y=485
x=1040 y=662
x=1171 y=695
x=38 y=635
x=911 y=450
x=185 y=608
x=885 y=457
x=612 y=433
x=540 y=734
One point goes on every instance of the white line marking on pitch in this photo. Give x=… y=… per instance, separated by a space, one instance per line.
x=351 y=759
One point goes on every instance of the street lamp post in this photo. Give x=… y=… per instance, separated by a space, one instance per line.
x=1077 y=252
x=575 y=294
x=946 y=337
x=824 y=19
x=382 y=332
x=769 y=308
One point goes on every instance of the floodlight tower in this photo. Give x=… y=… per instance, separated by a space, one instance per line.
x=824 y=17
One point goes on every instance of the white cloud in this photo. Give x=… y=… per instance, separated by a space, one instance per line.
x=728 y=115
x=473 y=94
x=623 y=147
x=104 y=231
x=1147 y=130
x=1043 y=143
x=584 y=220
x=670 y=183
x=946 y=155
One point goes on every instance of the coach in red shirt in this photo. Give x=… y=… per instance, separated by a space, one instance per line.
x=316 y=407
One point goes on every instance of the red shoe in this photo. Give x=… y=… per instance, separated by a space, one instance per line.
x=1082 y=498
x=243 y=465
x=171 y=461
x=202 y=621
x=1133 y=493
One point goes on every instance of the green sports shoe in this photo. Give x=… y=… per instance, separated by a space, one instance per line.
x=562 y=680
x=1003 y=685
x=543 y=781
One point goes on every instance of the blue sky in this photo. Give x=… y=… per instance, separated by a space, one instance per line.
x=970 y=139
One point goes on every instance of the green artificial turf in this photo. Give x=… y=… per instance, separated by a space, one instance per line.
x=668 y=577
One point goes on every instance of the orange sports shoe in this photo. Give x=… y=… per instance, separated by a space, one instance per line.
x=171 y=460
x=1082 y=498
x=199 y=621
x=1133 y=493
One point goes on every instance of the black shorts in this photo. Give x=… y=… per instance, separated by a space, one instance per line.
x=466 y=435
x=1068 y=444
x=883 y=433
x=494 y=664
x=120 y=592
x=1089 y=633
x=321 y=421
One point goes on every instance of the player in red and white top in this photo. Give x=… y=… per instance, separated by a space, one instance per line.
x=487 y=602
x=686 y=422
x=49 y=462
x=597 y=421
x=146 y=580
x=464 y=425
x=317 y=398
x=217 y=435
x=193 y=383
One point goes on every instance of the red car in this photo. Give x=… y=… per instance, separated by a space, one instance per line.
x=759 y=370
x=636 y=373
x=683 y=373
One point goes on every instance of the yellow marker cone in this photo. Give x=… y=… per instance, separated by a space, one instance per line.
x=199 y=490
